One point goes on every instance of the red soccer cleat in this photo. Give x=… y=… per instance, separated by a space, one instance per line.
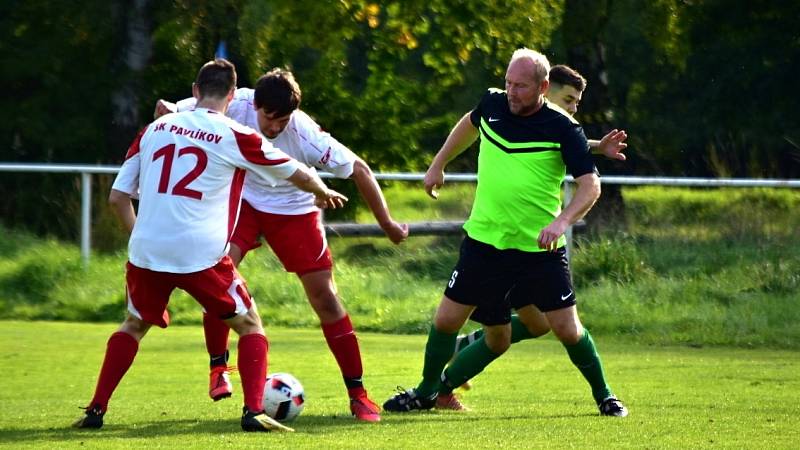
x=450 y=401
x=365 y=409
x=219 y=384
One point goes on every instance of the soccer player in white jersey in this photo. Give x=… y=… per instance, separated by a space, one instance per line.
x=292 y=227
x=187 y=170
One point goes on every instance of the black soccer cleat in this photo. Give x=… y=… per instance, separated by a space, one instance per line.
x=92 y=418
x=611 y=406
x=408 y=400
x=260 y=421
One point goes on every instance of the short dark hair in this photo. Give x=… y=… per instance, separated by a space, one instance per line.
x=277 y=92
x=567 y=76
x=216 y=78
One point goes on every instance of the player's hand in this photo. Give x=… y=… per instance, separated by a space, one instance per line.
x=434 y=180
x=612 y=145
x=548 y=237
x=396 y=232
x=330 y=199
x=164 y=107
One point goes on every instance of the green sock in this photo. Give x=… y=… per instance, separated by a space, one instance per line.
x=469 y=362
x=438 y=351
x=584 y=356
x=519 y=332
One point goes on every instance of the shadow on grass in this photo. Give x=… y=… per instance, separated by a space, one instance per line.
x=308 y=425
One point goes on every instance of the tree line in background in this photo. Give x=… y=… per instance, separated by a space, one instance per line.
x=704 y=88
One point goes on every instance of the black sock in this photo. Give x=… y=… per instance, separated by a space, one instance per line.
x=219 y=360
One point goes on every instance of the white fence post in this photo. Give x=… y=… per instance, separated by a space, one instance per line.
x=86 y=217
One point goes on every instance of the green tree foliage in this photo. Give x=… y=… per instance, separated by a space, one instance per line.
x=58 y=71
x=390 y=78
x=703 y=87
x=56 y=65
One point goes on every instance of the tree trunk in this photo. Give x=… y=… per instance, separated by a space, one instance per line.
x=585 y=53
x=135 y=53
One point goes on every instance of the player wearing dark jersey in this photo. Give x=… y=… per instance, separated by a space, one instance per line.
x=515 y=241
x=566 y=91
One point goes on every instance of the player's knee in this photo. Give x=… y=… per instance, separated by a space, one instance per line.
x=135 y=327
x=327 y=306
x=498 y=338
x=246 y=323
x=498 y=343
x=567 y=333
x=538 y=329
x=537 y=326
x=446 y=324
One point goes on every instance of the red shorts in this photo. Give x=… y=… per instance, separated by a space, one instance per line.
x=220 y=290
x=298 y=241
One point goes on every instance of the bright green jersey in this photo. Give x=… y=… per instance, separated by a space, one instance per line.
x=521 y=165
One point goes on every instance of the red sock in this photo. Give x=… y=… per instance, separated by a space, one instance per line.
x=344 y=345
x=253 y=369
x=120 y=352
x=216 y=331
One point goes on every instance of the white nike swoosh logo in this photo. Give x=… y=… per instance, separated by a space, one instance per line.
x=564 y=297
x=492 y=119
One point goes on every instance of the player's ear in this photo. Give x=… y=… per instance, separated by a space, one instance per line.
x=230 y=94
x=195 y=91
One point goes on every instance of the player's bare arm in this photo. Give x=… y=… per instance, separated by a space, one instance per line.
x=164 y=107
x=586 y=195
x=612 y=145
x=459 y=139
x=371 y=192
x=123 y=208
x=309 y=181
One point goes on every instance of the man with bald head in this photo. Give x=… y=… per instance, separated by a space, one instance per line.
x=514 y=250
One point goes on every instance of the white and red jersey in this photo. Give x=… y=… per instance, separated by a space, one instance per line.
x=303 y=140
x=188 y=170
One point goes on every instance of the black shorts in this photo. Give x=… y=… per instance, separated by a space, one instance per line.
x=495 y=281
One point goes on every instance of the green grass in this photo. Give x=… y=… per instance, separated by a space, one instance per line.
x=687 y=266
x=532 y=397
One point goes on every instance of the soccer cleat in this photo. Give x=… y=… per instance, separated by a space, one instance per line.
x=611 y=406
x=260 y=421
x=92 y=418
x=408 y=400
x=450 y=401
x=365 y=409
x=219 y=384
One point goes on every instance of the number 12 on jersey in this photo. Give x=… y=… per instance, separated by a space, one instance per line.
x=181 y=187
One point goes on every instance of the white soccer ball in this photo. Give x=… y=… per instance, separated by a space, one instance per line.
x=284 y=397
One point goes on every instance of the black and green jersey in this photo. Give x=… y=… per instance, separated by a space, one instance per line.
x=521 y=165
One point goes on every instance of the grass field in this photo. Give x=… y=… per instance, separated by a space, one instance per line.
x=679 y=397
x=689 y=266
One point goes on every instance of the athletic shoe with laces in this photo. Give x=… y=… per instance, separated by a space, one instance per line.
x=611 y=406
x=219 y=384
x=450 y=401
x=365 y=409
x=408 y=400
x=260 y=421
x=92 y=418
